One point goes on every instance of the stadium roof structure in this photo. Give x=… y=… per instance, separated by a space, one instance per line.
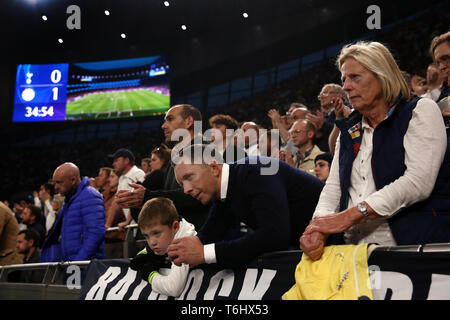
x=218 y=43
x=217 y=33
x=117 y=64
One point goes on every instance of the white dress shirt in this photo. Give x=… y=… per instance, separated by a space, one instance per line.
x=209 y=250
x=253 y=150
x=433 y=94
x=425 y=143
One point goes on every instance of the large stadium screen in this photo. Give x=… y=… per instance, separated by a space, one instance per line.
x=92 y=90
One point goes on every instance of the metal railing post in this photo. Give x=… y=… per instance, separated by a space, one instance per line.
x=129 y=239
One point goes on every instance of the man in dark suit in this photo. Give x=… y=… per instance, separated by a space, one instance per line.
x=272 y=198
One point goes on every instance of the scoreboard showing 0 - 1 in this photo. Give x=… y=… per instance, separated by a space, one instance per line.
x=92 y=90
x=41 y=92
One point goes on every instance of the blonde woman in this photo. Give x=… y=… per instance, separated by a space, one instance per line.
x=388 y=156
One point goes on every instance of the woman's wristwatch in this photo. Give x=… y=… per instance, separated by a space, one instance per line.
x=363 y=209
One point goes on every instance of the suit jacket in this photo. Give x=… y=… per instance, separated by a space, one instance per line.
x=276 y=207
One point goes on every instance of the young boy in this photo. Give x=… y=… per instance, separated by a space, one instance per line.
x=160 y=224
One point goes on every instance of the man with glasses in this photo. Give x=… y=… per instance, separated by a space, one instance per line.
x=440 y=51
x=297 y=111
x=303 y=133
x=329 y=98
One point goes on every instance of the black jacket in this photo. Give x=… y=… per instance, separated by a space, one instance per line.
x=276 y=207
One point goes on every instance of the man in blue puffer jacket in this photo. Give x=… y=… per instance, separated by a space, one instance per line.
x=79 y=231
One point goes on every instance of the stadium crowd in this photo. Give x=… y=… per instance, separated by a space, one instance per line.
x=68 y=214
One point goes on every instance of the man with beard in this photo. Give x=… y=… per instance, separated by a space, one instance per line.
x=27 y=244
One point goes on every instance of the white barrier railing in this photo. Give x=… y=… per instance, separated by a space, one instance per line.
x=52 y=269
x=434 y=247
x=130 y=226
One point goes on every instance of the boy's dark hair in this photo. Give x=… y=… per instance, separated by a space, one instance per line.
x=158 y=210
x=31 y=234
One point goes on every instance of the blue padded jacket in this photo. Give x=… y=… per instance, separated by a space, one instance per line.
x=79 y=230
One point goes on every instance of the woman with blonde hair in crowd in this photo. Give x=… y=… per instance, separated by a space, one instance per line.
x=388 y=180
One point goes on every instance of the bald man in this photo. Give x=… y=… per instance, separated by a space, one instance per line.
x=79 y=230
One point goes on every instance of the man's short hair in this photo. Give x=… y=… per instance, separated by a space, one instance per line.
x=189 y=110
x=445 y=37
x=337 y=89
x=158 y=211
x=31 y=234
x=224 y=119
x=49 y=188
x=310 y=126
x=35 y=211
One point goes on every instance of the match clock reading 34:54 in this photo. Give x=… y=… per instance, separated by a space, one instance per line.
x=41 y=92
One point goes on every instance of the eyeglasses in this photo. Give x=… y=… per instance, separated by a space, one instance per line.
x=326 y=94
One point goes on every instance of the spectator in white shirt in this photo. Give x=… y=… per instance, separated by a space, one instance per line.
x=160 y=224
x=44 y=200
x=435 y=79
x=123 y=163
